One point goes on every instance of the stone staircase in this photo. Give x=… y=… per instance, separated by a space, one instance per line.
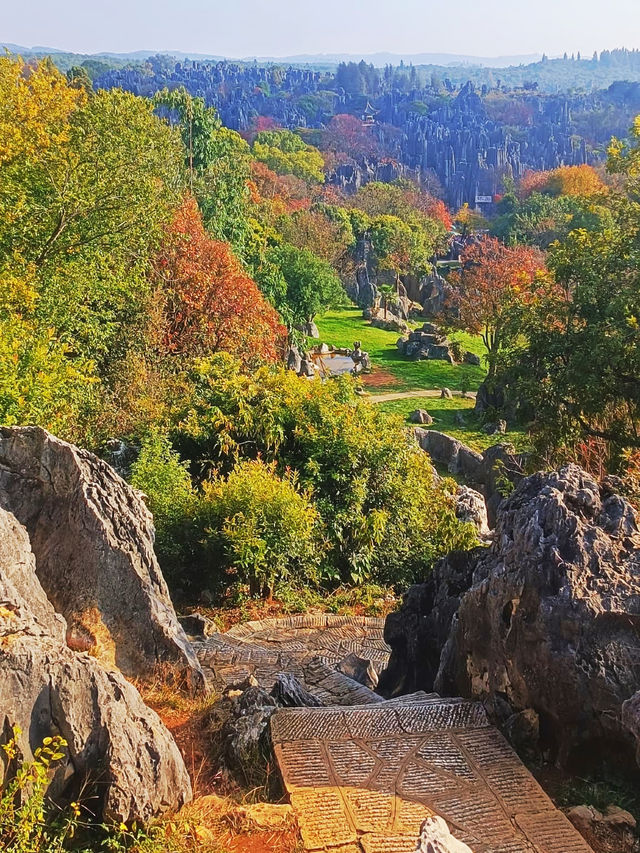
x=362 y=773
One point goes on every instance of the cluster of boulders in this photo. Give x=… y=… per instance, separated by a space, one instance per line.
x=542 y=627
x=494 y=473
x=82 y=601
x=429 y=342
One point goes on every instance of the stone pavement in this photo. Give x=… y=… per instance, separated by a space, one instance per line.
x=363 y=773
x=309 y=646
x=363 y=779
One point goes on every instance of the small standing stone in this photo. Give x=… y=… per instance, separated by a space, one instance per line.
x=420 y=416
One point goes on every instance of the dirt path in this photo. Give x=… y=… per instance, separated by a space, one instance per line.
x=406 y=395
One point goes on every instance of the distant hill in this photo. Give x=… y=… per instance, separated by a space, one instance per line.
x=378 y=60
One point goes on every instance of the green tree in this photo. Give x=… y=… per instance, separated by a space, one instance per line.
x=108 y=181
x=312 y=285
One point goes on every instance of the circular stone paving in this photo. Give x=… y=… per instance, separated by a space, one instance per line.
x=329 y=637
x=337 y=658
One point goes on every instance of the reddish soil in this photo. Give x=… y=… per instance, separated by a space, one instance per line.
x=378 y=379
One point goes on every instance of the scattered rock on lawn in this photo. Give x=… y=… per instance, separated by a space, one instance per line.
x=420 y=416
x=446 y=394
x=497 y=428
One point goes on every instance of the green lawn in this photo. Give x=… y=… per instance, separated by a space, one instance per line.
x=343 y=326
x=443 y=413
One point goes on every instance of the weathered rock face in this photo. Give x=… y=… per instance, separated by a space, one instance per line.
x=92 y=537
x=418 y=631
x=611 y=832
x=117 y=746
x=546 y=619
x=494 y=472
x=470 y=507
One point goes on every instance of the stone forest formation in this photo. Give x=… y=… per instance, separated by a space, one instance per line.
x=319 y=455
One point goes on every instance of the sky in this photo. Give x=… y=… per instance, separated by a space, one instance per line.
x=244 y=28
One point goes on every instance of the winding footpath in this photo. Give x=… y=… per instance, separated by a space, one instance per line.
x=364 y=773
x=409 y=395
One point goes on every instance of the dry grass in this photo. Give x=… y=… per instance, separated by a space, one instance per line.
x=222 y=816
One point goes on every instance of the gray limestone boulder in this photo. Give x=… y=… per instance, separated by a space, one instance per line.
x=420 y=416
x=546 y=619
x=92 y=538
x=471 y=507
x=121 y=760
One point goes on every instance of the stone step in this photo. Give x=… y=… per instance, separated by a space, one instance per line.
x=363 y=779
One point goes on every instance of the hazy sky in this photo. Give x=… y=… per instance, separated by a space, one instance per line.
x=239 y=28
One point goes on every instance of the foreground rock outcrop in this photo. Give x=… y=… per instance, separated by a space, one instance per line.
x=543 y=622
x=120 y=755
x=92 y=538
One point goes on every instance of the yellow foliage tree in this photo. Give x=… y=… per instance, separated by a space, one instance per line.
x=35 y=106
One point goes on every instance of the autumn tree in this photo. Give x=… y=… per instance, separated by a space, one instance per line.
x=493 y=279
x=210 y=303
x=218 y=162
x=329 y=237
x=564 y=181
x=286 y=153
x=347 y=135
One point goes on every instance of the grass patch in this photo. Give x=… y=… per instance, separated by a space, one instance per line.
x=444 y=413
x=343 y=326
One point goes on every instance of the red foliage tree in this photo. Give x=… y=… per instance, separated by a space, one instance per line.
x=438 y=210
x=495 y=279
x=209 y=302
x=348 y=135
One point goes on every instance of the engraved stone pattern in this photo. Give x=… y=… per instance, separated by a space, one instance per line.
x=390 y=766
x=442 y=751
x=307 y=646
x=322 y=817
x=550 y=831
x=305 y=764
x=351 y=762
x=371 y=810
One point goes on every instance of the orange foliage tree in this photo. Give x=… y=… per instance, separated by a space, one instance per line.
x=566 y=180
x=493 y=280
x=209 y=302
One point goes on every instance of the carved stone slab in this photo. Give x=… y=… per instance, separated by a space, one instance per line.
x=364 y=778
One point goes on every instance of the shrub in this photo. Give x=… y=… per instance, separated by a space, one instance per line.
x=165 y=480
x=386 y=517
x=262 y=528
x=31 y=823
